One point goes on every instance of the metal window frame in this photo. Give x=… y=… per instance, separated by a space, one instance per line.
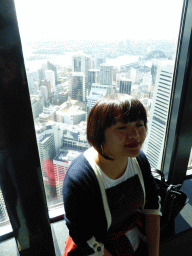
x=178 y=140
x=20 y=166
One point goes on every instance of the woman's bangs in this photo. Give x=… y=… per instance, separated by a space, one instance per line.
x=125 y=114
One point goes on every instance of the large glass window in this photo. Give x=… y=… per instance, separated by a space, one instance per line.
x=74 y=54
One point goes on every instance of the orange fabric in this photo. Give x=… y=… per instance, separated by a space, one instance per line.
x=69 y=246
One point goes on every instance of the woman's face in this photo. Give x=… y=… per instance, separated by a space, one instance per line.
x=124 y=140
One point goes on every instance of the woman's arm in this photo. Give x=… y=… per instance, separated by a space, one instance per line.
x=107 y=253
x=152 y=228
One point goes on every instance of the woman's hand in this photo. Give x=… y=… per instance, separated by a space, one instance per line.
x=107 y=253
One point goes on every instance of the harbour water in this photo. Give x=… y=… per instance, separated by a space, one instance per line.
x=65 y=60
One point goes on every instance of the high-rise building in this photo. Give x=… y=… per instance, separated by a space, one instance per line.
x=44 y=93
x=48 y=84
x=93 y=77
x=77 y=86
x=46 y=146
x=106 y=74
x=41 y=75
x=63 y=97
x=30 y=80
x=50 y=76
x=125 y=86
x=82 y=63
x=153 y=146
x=54 y=128
x=37 y=106
x=61 y=163
x=99 y=59
x=52 y=67
x=77 y=64
x=97 y=92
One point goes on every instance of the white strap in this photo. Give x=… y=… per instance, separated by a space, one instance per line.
x=88 y=155
x=140 y=176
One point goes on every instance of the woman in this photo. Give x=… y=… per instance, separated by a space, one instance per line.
x=109 y=187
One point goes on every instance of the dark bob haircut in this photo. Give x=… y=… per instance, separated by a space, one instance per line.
x=107 y=112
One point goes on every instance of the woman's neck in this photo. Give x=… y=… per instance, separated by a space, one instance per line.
x=114 y=169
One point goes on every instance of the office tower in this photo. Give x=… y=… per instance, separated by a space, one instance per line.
x=46 y=146
x=125 y=86
x=55 y=95
x=44 y=93
x=154 y=71
x=77 y=86
x=30 y=81
x=97 y=92
x=93 y=77
x=132 y=75
x=115 y=70
x=145 y=86
x=48 y=84
x=52 y=67
x=63 y=97
x=37 y=106
x=153 y=146
x=61 y=163
x=106 y=74
x=50 y=76
x=82 y=63
x=77 y=63
x=41 y=75
x=99 y=59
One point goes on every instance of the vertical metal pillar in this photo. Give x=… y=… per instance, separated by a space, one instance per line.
x=20 y=175
x=179 y=132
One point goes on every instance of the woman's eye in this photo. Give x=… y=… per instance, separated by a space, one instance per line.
x=122 y=128
x=139 y=125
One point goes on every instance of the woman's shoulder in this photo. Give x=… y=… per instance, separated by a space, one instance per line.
x=80 y=170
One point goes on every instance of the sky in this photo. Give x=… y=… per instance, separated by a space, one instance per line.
x=101 y=20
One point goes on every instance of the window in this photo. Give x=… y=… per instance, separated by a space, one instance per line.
x=71 y=65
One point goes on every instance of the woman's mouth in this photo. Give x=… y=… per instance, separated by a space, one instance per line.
x=133 y=145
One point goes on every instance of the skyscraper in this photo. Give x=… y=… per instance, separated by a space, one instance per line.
x=44 y=93
x=50 y=76
x=46 y=146
x=77 y=86
x=97 y=91
x=106 y=74
x=99 y=59
x=52 y=67
x=82 y=63
x=30 y=80
x=61 y=163
x=125 y=86
x=153 y=146
x=47 y=152
x=93 y=77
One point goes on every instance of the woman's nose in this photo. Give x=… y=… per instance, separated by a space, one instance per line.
x=132 y=133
